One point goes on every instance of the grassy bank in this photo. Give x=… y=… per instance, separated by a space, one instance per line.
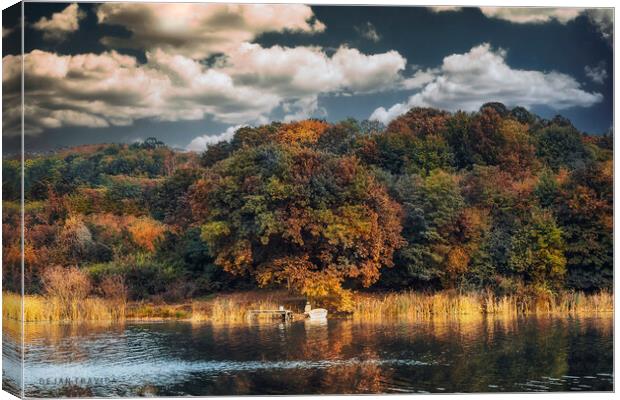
x=234 y=307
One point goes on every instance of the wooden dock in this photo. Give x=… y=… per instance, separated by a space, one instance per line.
x=285 y=315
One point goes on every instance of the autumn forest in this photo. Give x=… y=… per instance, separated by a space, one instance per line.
x=499 y=200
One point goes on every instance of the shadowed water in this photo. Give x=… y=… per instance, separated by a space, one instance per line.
x=339 y=356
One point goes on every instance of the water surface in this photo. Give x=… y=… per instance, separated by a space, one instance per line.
x=339 y=356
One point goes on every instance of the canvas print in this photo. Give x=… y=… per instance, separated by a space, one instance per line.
x=286 y=199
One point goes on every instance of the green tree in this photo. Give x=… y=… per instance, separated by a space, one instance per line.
x=584 y=210
x=562 y=146
x=537 y=252
x=432 y=207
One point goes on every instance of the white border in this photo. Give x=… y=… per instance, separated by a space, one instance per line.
x=506 y=3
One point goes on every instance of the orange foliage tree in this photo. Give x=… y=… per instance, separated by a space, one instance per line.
x=302 y=132
x=297 y=217
x=146 y=232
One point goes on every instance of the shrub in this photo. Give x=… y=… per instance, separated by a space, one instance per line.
x=68 y=287
x=114 y=289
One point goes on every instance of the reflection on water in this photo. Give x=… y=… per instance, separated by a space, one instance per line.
x=308 y=357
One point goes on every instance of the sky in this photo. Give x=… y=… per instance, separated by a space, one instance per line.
x=190 y=74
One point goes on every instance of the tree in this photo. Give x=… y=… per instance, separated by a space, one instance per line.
x=404 y=153
x=584 y=210
x=11 y=179
x=432 y=207
x=146 y=232
x=75 y=238
x=340 y=138
x=214 y=153
x=39 y=174
x=562 y=146
x=169 y=202
x=302 y=132
x=298 y=217
x=459 y=200
x=518 y=153
x=537 y=252
x=420 y=122
x=499 y=108
x=523 y=116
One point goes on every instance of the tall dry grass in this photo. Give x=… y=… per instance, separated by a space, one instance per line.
x=423 y=306
x=48 y=309
x=233 y=308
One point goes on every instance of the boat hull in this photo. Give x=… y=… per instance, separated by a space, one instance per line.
x=317 y=313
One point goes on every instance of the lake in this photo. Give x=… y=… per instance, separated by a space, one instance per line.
x=302 y=357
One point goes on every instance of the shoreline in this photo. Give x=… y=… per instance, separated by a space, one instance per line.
x=233 y=307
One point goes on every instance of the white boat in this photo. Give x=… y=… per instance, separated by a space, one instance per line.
x=317 y=313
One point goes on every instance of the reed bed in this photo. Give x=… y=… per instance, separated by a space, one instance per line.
x=424 y=306
x=147 y=311
x=42 y=309
x=233 y=308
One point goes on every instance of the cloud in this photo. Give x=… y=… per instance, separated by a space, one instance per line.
x=195 y=91
x=199 y=30
x=535 y=15
x=368 y=31
x=245 y=85
x=111 y=89
x=96 y=90
x=200 y=143
x=61 y=24
x=603 y=20
x=439 y=9
x=596 y=73
x=299 y=72
x=466 y=81
x=419 y=79
x=303 y=108
x=7 y=31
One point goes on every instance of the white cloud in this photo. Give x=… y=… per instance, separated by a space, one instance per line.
x=528 y=15
x=306 y=71
x=199 y=30
x=303 y=108
x=601 y=18
x=111 y=89
x=200 y=143
x=419 y=79
x=466 y=81
x=302 y=71
x=368 y=31
x=361 y=73
x=95 y=90
x=246 y=84
x=597 y=73
x=195 y=91
x=439 y=9
x=61 y=24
